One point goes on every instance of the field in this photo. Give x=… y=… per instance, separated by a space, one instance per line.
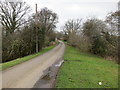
x=23 y=59
x=81 y=70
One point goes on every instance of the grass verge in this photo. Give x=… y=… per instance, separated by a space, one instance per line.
x=81 y=70
x=23 y=59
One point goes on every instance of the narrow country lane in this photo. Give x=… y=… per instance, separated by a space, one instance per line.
x=27 y=73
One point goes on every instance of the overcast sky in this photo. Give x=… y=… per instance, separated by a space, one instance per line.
x=73 y=9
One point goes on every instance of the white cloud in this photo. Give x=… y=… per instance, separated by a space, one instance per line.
x=68 y=9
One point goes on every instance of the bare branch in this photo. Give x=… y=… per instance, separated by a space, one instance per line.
x=12 y=14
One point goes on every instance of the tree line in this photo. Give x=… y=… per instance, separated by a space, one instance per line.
x=94 y=35
x=19 y=29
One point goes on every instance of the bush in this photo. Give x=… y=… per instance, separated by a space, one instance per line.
x=84 y=44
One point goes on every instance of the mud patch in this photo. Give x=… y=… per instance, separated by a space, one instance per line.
x=49 y=76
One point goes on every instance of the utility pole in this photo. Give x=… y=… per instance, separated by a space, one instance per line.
x=36 y=20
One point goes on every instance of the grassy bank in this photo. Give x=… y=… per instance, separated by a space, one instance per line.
x=23 y=59
x=82 y=70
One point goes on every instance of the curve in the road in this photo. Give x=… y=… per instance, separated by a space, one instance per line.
x=26 y=74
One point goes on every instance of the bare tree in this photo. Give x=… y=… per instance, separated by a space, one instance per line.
x=112 y=20
x=46 y=24
x=48 y=20
x=72 y=27
x=12 y=15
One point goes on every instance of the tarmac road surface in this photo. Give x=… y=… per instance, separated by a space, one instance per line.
x=26 y=74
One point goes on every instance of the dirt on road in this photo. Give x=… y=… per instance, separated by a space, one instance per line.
x=27 y=73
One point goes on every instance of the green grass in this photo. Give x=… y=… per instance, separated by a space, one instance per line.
x=23 y=59
x=81 y=70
